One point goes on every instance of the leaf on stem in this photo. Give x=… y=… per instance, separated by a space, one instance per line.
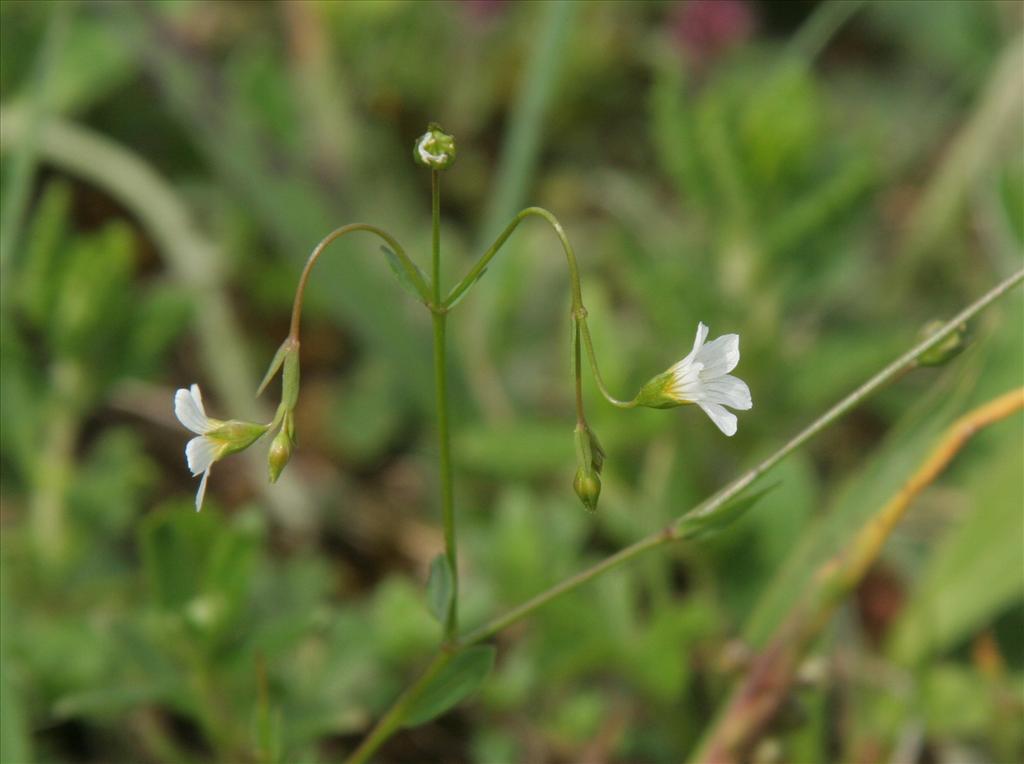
x=453 y=684
x=702 y=525
x=402 y=274
x=439 y=588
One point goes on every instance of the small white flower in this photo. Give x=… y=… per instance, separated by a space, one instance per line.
x=703 y=378
x=216 y=439
x=203 y=451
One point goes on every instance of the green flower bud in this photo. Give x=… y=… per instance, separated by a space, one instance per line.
x=589 y=461
x=280 y=453
x=948 y=349
x=588 y=488
x=434 y=149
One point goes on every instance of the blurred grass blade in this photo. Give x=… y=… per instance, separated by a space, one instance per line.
x=453 y=684
x=515 y=169
x=19 y=179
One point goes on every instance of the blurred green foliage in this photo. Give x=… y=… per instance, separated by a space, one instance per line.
x=821 y=180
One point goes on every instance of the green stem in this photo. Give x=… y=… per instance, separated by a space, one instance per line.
x=441 y=384
x=435 y=234
x=673 y=531
x=407 y=265
x=720 y=499
x=579 y=312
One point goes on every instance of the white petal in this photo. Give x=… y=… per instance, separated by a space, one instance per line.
x=200 y=453
x=188 y=407
x=686 y=382
x=698 y=340
x=202 y=490
x=720 y=356
x=725 y=420
x=728 y=390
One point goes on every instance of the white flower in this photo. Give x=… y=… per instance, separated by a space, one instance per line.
x=216 y=439
x=201 y=452
x=703 y=378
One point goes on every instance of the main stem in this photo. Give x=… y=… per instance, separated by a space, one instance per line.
x=441 y=384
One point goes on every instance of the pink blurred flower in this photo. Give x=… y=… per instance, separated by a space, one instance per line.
x=707 y=28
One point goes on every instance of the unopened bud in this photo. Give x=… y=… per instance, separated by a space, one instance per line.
x=588 y=488
x=589 y=461
x=434 y=149
x=281 y=447
x=950 y=346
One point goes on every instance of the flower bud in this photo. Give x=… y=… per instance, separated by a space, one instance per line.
x=947 y=349
x=434 y=149
x=589 y=461
x=281 y=447
x=588 y=488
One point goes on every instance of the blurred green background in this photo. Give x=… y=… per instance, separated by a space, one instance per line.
x=823 y=179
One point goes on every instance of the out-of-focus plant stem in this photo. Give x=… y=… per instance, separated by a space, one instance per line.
x=978 y=144
x=758 y=698
x=53 y=470
x=191 y=257
x=515 y=169
x=675 y=530
x=19 y=179
x=820 y=27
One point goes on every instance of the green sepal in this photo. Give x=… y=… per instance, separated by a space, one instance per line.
x=656 y=393
x=236 y=435
x=275 y=364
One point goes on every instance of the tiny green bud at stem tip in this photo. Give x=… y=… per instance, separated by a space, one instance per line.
x=435 y=148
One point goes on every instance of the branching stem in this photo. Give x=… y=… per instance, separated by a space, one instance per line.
x=579 y=311
x=672 y=532
x=407 y=265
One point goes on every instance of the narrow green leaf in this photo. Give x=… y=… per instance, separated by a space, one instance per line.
x=275 y=364
x=401 y=274
x=456 y=681
x=439 y=588
x=695 y=527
